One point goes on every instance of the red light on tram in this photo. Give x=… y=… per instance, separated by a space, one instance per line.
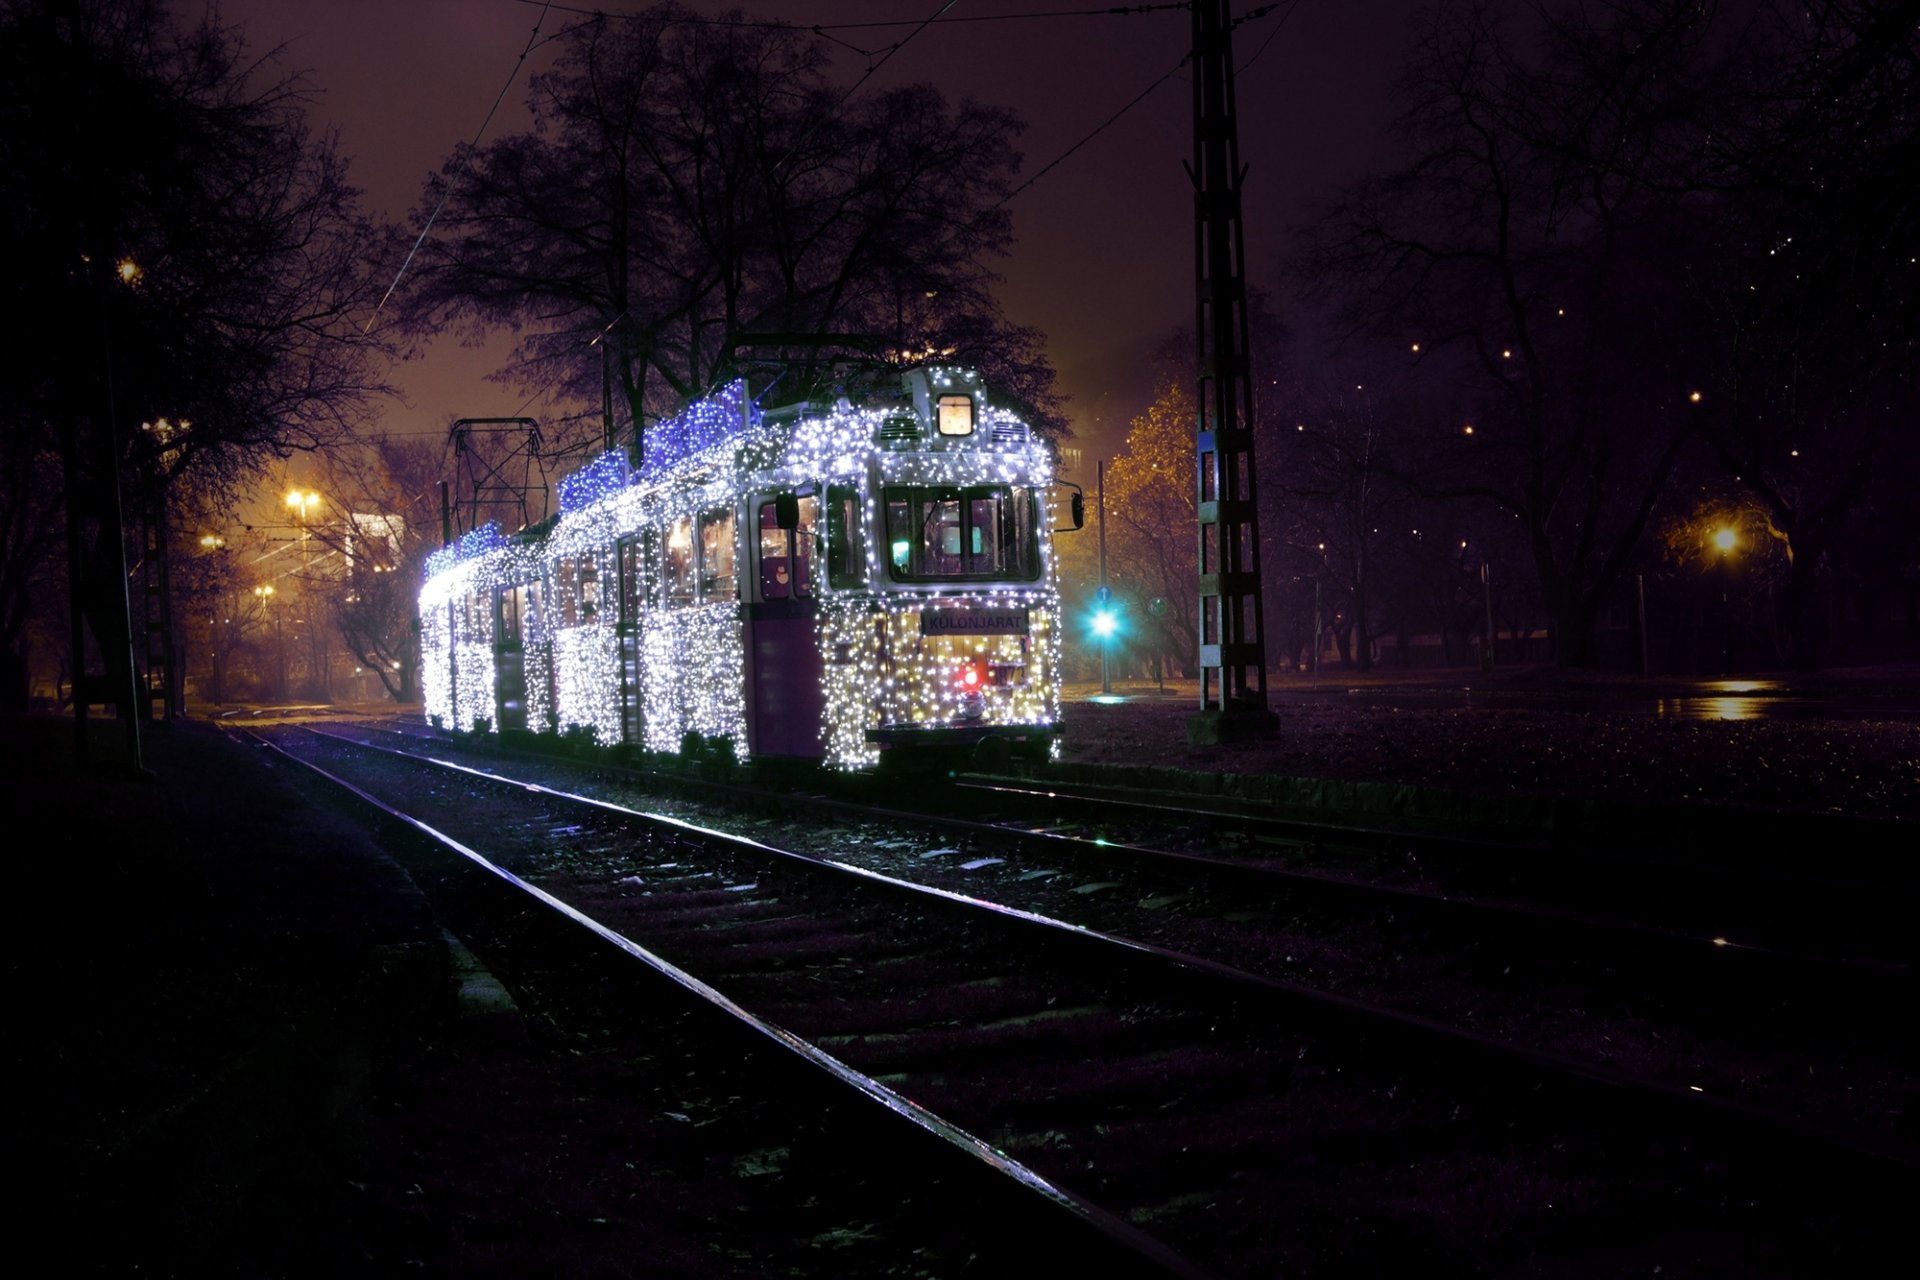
x=971 y=676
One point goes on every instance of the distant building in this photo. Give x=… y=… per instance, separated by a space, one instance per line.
x=373 y=540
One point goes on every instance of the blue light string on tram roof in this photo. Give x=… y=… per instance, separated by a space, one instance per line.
x=725 y=415
x=474 y=542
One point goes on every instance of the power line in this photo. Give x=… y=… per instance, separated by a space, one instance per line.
x=839 y=102
x=1097 y=130
x=820 y=28
x=465 y=162
x=1142 y=95
x=1261 y=13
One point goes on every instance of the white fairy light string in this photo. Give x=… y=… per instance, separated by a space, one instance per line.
x=899 y=652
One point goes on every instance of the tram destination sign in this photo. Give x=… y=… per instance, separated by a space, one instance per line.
x=973 y=622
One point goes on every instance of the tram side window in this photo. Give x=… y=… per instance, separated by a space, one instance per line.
x=510 y=605
x=846 y=557
x=680 y=563
x=589 y=587
x=786 y=557
x=566 y=590
x=716 y=556
x=535 y=625
x=633 y=583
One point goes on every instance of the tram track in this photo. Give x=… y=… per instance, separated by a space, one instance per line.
x=1815 y=1037
x=1745 y=894
x=1284 y=1073
x=567 y=965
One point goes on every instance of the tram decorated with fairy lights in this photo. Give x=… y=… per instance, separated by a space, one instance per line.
x=813 y=581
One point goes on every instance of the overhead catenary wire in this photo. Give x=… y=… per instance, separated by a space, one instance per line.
x=821 y=28
x=1140 y=97
x=1261 y=13
x=839 y=102
x=533 y=42
x=1097 y=130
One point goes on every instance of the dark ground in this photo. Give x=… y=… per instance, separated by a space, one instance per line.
x=1844 y=742
x=238 y=1057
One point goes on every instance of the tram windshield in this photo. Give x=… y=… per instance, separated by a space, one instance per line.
x=947 y=534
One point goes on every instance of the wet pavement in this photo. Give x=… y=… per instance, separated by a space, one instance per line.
x=1885 y=694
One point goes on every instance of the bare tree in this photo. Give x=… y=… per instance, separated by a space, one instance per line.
x=1799 y=172
x=1530 y=282
x=193 y=259
x=686 y=183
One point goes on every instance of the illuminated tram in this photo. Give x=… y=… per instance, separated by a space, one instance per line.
x=809 y=582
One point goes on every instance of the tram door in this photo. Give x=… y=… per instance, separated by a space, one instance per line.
x=637 y=555
x=509 y=663
x=785 y=700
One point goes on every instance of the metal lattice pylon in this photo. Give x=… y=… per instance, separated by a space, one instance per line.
x=1233 y=659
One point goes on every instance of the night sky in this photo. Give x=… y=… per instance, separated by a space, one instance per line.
x=1103 y=263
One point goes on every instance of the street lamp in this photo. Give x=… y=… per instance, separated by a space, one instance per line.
x=216 y=635
x=1318 y=626
x=302 y=502
x=264 y=594
x=1105 y=623
x=1726 y=541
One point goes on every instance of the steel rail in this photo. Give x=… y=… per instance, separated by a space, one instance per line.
x=1740 y=1121
x=1122 y=1233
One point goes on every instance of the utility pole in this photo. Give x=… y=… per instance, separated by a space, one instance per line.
x=1233 y=656
x=1319 y=628
x=1106 y=592
x=1486 y=594
x=1640 y=597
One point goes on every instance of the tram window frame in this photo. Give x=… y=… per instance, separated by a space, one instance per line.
x=536 y=624
x=846 y=546
x=566 y=590
x=950 y=425
x=791 y=550
x=509 y=616
x=631 y=555
x=910 y=510
x=588 y=585
x=719 y=555
x=681 y=565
